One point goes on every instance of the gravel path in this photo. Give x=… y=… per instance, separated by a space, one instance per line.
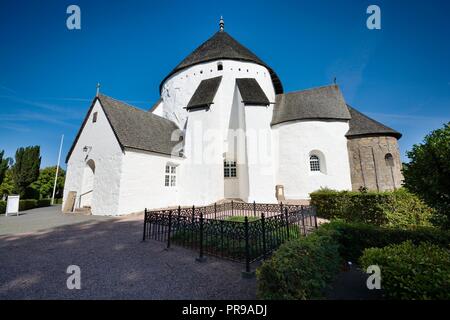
x=114 y=263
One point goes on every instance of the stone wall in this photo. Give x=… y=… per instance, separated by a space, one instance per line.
x=370 y=164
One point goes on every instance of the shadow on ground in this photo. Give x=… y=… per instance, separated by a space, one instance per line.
x=115 y=264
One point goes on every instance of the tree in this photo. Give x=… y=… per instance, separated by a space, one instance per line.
x=4 y=164
x=7 y=187
x=25 y=170
x=428 y=172
x=46 y=180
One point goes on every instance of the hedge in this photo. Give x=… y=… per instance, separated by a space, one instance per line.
x=300 y=269
x=412 y=272
x=27 y=204
x=304 y=267
x=354 y=238
x=398 y=208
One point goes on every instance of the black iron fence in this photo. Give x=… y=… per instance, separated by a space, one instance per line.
x=243 y=232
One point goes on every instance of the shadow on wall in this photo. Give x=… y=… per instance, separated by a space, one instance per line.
x=114 y=264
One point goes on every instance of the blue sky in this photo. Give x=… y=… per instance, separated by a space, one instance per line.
x=399 y=75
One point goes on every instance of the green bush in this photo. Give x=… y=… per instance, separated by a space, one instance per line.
x=300 y=269
x=398 y=208
x=2 y=207
x=412 y=272
x=354 y=238
x=43 y=203
x=27 y=204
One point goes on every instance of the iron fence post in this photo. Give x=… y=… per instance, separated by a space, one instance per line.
x=145 y=224
x=201 y=258
x=281 y=207
x=170 y=227
x=287 y=222
x=315 y=217
x=247 y=246
x=232 y=208
x=263 y=230
x=303 y=224
x=215 y=210
x=254 y=208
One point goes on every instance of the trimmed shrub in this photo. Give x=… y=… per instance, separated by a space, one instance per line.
x=27 y=204
x=354 y=238
x=43 y=203
x=2 y=207
x=300 y=269
x=398 y=208
x=411 y=272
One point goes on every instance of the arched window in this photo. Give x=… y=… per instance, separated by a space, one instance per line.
x=314 y=163
x=219 y=66
x=389 y=159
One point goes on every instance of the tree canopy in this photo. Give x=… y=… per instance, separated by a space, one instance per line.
x=26 y=168
x=428 y=172
x=4 y=164
x=44 y=184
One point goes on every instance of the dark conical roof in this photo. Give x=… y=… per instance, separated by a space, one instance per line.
x=361 y=125
x=223 y=46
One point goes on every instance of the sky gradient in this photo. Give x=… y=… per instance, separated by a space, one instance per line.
x=399 y=75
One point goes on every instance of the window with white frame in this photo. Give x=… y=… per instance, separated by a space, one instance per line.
x=170 y=178
x=229 y=169
x=314 y=163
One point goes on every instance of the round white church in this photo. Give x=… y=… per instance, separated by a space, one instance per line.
x=225 y=129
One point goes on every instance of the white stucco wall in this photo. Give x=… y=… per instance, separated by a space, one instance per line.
x=207 y=132
x=142 y=182
x=158 y=110
x=295 y=141
x=107 y=155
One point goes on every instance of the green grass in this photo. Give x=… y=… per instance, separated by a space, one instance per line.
x=241 y=219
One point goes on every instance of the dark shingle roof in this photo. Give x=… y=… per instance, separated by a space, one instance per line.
x=317 y=103
x=135 y=128
x=222 y=46
x=361 y=125
x=205 y=93
x=251 y=92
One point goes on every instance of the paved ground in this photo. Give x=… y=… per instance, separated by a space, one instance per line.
x=351 y=285
x=37 y=247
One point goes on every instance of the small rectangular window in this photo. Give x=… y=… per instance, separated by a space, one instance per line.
x=94 y=117
x=229 y=169
x=170 y=177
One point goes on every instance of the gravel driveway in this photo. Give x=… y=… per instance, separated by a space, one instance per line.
x=37 y=247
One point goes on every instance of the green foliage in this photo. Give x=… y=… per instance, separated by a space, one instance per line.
x=4 y=164
x=411 y=271
x=43 y=203
x=241 y=219
x=27 y=204
x=354 y=238
x=427 y=174
x=25 y=170
x=2 y=207
x=7 y=187
x=391 y=208
x=300 y=269
x=44 y=184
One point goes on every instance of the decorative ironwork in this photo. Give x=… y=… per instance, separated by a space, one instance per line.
x=243 y=232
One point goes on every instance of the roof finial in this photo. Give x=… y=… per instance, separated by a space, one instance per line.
x=98 y=89
x=221 y=24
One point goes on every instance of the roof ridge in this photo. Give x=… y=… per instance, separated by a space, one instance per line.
x=136 y=108
x=310 y=89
